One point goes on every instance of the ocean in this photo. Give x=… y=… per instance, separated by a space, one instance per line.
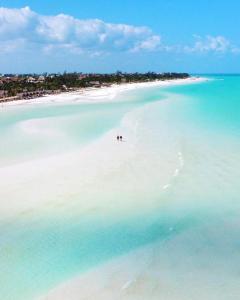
x=74 y=199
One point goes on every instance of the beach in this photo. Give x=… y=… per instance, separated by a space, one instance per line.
x=30 y=172
x=88 y=216
x=104 y=149
x=104 y=93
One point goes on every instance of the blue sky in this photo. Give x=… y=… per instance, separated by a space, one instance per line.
x=128 y=35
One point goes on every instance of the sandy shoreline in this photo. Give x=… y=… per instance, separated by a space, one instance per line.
x=91 y=171
x=114 y=279
x=101 y=94
x=153 y=217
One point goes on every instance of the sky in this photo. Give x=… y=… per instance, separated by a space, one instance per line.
x=195 y=36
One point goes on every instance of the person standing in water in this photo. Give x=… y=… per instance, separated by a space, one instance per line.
x=118 y=137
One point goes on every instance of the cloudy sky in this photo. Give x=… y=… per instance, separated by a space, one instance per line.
x=128 y=35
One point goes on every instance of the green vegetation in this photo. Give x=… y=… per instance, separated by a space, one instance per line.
x=28 y=85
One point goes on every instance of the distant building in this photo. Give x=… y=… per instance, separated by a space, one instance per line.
x=31 y=80
x=82 y=76
x=14 y=79
x=6 y=79
x=41 y=78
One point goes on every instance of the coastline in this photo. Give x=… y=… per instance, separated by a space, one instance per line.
x=115 y=273
x=93 y=171
x=85 y=172
x=102 y=94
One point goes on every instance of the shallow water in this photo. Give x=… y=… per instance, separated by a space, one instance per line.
x=173 y=184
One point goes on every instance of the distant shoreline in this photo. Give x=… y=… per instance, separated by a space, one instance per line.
x=97 y=94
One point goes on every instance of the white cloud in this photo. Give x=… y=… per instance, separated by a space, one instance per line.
x=16 y=23
x=29 y=35
x=65 y=32
x=10 y=46
x=152 y=43
x=210 y=43
x=235 y=50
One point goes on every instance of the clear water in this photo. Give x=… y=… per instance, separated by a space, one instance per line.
x=187 y=204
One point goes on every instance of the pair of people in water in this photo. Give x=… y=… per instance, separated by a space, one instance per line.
x=119 y=138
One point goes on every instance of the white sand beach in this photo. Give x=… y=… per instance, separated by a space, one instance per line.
x=85 y=183
x=119 y=150
x=80 y=167
x=102 y=94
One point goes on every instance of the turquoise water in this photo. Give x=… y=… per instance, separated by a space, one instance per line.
x=195 y=220
x=211 y=105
